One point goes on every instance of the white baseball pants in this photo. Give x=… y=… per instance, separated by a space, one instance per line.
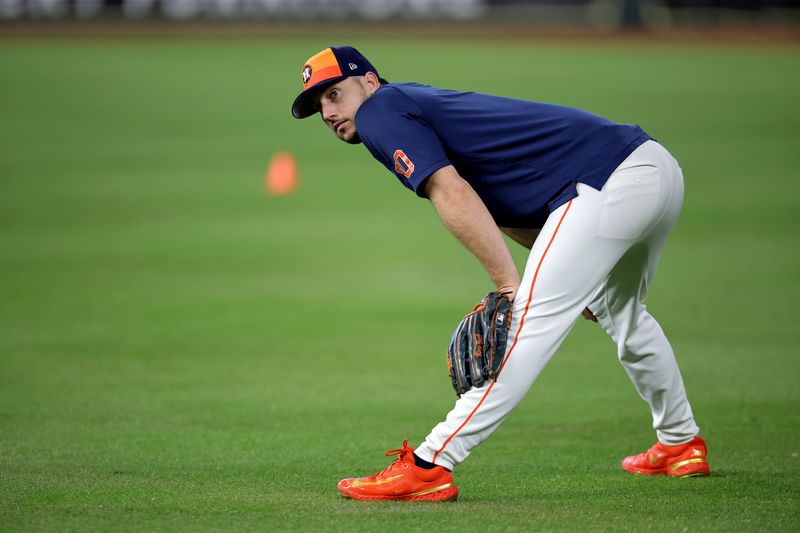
x=599 y=251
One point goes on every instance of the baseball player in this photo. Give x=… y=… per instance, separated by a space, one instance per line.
x=593 y=200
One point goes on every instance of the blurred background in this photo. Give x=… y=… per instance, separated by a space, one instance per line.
x=773 y=14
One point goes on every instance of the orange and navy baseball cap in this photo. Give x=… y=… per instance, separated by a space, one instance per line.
x=322 y=70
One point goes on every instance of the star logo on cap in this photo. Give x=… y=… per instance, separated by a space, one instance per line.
x=306 y=74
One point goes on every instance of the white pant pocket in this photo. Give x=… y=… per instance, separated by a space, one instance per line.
x=631 y=202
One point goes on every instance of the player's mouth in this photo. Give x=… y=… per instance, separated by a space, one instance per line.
x=338 y=125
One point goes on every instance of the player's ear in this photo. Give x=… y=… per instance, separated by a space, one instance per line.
x=372 y=81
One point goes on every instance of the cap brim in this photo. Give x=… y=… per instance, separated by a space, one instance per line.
x=303 y=106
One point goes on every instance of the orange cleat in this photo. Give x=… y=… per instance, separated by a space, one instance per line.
x=684 y=460
x=402 y=480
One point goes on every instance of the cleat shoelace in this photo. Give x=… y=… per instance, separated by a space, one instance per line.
x=400 y=453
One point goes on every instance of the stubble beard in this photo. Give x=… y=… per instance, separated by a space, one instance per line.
x=353 y=139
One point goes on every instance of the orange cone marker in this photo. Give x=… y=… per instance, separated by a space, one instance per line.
x=281 y=178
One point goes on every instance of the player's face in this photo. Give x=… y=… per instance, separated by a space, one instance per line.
x=339 y=102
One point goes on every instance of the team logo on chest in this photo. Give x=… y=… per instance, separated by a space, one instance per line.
x=306 y=74
x=402 y=164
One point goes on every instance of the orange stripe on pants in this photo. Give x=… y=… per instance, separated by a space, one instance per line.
x=516 y=336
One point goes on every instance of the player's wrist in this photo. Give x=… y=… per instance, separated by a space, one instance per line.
x=509 y=288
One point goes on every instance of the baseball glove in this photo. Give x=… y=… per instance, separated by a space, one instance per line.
x=478 y=344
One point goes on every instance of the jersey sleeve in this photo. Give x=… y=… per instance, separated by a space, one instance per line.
x=396 y=133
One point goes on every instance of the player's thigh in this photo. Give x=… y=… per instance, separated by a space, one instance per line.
x=568 y=261
x=625 y=287
x=627 y=284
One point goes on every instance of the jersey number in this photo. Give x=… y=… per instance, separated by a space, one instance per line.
x=402 y=164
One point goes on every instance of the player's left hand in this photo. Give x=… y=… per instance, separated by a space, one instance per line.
x=478 y=344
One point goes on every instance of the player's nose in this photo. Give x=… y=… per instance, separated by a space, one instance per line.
x=328 y=111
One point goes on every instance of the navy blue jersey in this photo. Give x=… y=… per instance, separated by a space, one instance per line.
x=522 y=158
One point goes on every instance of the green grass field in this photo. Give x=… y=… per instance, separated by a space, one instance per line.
x=180 y=351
